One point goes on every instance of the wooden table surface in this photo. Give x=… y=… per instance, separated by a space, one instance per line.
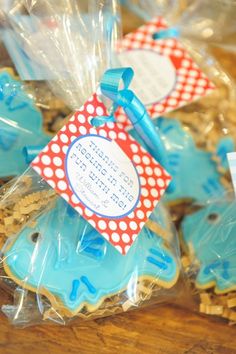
x=158 y=329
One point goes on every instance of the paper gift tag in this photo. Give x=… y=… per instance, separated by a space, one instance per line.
x=166 y=77
x=104 y=174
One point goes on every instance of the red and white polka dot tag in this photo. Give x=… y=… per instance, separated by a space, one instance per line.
x=166 y=76
x=52 y=165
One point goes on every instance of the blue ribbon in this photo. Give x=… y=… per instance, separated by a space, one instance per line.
x=172 y=32
x=115 y=85
x=30 y=152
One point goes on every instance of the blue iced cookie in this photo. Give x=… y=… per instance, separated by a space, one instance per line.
x=210 y=236
x=65 y=259
x=193 y=171
x=20 y=125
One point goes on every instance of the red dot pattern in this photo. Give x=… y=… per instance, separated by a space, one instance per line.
x=50 y=164
x=191 y=82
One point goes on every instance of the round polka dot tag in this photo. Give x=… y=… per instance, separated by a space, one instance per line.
x=104 y=174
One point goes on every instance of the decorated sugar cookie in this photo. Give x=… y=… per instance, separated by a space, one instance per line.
x=194 y=173
x=210 y=235
x=20 y=125
x=70 y=263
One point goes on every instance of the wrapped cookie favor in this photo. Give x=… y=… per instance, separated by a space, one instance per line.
x=192 y=101
x=84 y=231
x=106 y=244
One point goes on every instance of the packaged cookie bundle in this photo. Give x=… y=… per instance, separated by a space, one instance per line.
x=83 y=231
x=192 y=101
x=60 y=268
x=194 y=112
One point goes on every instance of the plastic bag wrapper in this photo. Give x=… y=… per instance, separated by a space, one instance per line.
x=208 y=21
x=72 y=41
x=52 y=108
x=69 y=270
x=58 y=268
x=199 y=19
x=213 y=117
x=211 y=120
x=29 y=115
x=207 y=241
x=199 y=134
x=207 y=135
x=197 y=138
x=209 y=256
x=146 y=9
x=72 y=55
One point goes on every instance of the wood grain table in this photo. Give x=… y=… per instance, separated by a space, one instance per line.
x=156 y=329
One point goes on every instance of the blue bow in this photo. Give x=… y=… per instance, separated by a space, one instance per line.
x=172 y=32
x=111 y=84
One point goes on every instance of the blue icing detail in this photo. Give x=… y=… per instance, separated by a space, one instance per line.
x=97 y=241
x=163 y=256
x=75 y=287
x=219 y=263
x=94 y=252
x=157 y=263
x=211 y=233
x=76 y=284
x=93 y=244
x=8 y=137
x=61 y=241
x=20 y=125
x=91 y=288
x=71 y=211
x=225 y=274
x=208 y=269
x=193 y=171
x=225 y=146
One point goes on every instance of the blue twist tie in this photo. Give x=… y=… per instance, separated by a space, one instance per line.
x=30 y=152
x=172 y=32
x=114 y=85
